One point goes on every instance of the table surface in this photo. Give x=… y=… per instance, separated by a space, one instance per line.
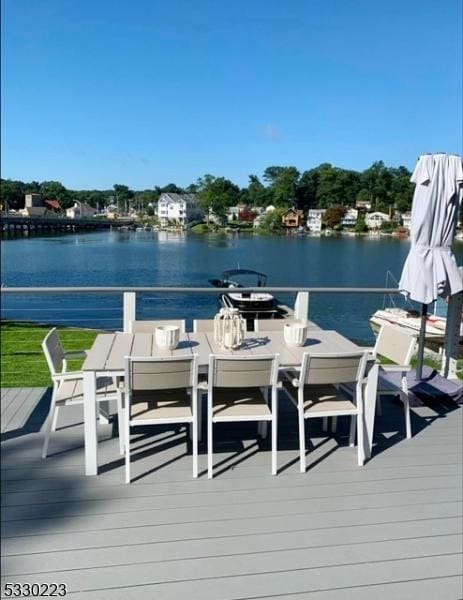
x=110 y=349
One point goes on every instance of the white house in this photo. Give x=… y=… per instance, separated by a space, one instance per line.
x=406 y=219
x=178 y=209
x=374 y=220
x=363 y=205
x=315 y=219
x=80 y=210
x=233 y=213
x=350 y=218
x=259 y=220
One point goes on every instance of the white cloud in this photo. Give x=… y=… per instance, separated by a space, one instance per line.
x=272 y=133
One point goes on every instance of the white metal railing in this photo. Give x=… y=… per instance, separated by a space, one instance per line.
x=112 y=307
x=120 y=305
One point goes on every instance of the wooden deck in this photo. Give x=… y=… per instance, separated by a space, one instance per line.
x=391 y=529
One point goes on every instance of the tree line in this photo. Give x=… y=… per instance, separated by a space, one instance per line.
x=324 y=186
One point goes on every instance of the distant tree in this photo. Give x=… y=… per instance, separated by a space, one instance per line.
x=361 y=226
x=401 y=188
x=55 y=190
x=216 y=194
x=272 y=221
x=382 y=206
x=363 y=195
x=377 y=181
x=124 y=196
x=388 y=226
x=171 y=188
x=12 y=194
x=334 y=215
x=306 y=192
x=283 y=184
x=32 y=188
x=256 y=193
x=247 y=215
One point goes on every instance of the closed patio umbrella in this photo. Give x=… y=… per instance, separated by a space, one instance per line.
x=431 y=269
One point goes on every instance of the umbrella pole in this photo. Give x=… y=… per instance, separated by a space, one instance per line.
x=421 y=340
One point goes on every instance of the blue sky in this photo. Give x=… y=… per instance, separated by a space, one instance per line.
x=147 y=92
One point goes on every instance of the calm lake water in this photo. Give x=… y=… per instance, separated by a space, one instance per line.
x=169 y=259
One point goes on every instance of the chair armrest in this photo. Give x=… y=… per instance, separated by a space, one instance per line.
x=76 y=354
x=68 y=375
x=396 y=368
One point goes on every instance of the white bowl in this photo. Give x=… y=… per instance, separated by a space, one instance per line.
x=295 y=334
x=167 y=336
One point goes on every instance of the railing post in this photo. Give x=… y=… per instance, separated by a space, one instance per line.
x=301 y=306
x=130 y=309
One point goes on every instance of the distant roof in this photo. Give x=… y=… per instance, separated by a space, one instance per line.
x=53 y=204
x=178 y=197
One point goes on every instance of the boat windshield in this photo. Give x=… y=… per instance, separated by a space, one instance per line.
x=244 y=278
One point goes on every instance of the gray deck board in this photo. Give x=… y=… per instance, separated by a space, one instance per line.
x=392 y=529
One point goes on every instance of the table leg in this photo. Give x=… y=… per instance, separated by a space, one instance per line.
x=369 y=407
x=90 y=430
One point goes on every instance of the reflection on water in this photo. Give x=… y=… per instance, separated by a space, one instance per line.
x=129 y=258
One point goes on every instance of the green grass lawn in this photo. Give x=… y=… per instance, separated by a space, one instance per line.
x=23 y=363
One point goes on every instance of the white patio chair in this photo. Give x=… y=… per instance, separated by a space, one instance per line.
x=315 y=393
x=68 y=386
x=160 y=391
x=397 y=345
x=150 y=326
x=238 y=390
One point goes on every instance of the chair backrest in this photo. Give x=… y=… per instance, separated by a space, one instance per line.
x=150 y=326
x=396 y=344
x=154 y=373
x=333 y=368
x=54 y=353
x=272 y=324
x=243 y=372
x=207 y=325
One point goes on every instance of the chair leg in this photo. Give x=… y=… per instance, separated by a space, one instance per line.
x=195 y=401
x=200 y=416
x=264 y=429
x=127 y=442
x=334 y=424
x=325 y=423
x=274 y=435
x=405 y=400
x=120 y=423
x=195 y=448
x=353 y=430
x=51 y=421
x=209 y=447
x=55 y=419
x=379 y=406
x=301 y=438
x=360 y=442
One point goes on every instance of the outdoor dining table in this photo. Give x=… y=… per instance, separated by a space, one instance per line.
x=107 y=358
